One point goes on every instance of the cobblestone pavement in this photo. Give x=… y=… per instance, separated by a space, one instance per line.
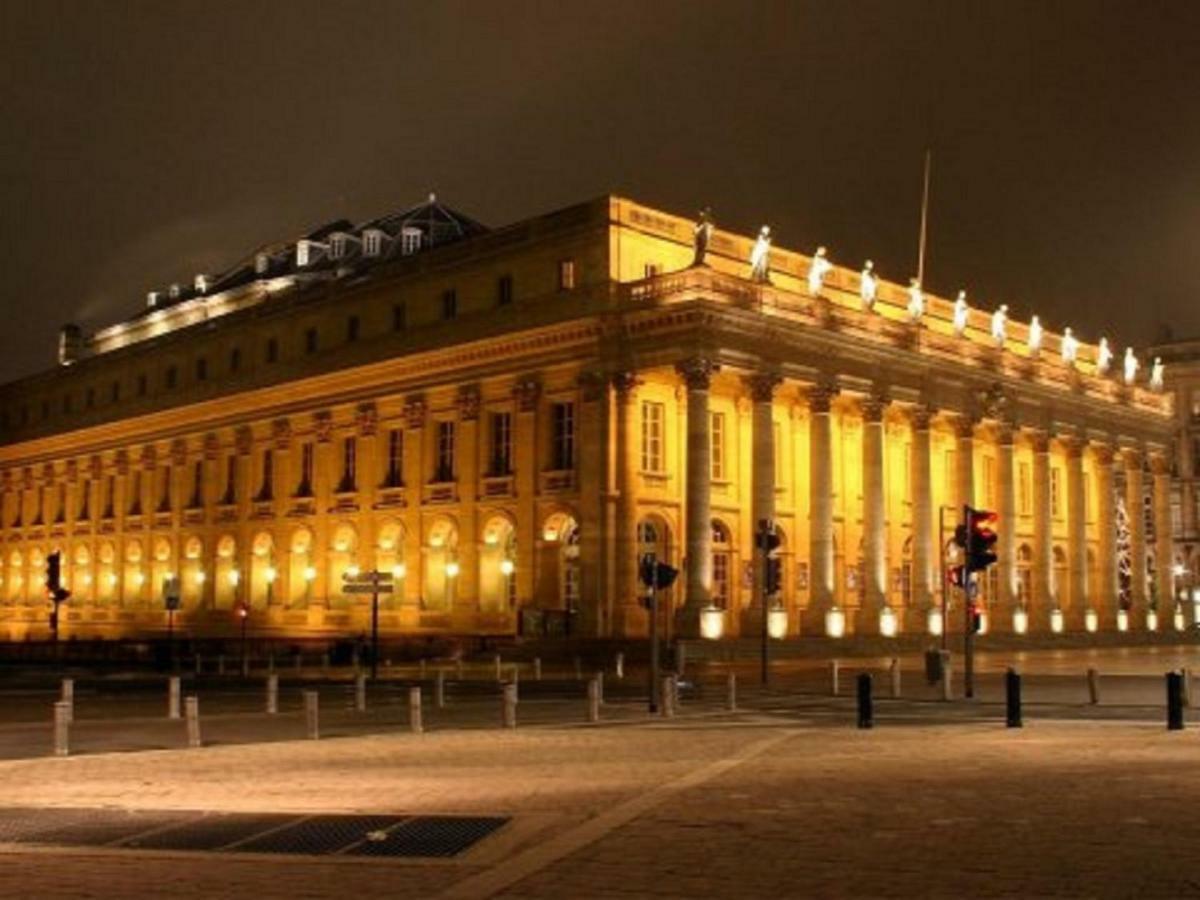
x=741 y=805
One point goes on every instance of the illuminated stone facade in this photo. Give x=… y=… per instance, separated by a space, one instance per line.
x=508 y=419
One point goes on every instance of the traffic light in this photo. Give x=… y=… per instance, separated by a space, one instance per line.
x=54 y=588
x=975 y=618
x=767 y=540
x=981 y=527
x=774 y=574
x=955 y=576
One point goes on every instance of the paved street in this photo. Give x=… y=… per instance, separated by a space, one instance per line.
x=782 y=798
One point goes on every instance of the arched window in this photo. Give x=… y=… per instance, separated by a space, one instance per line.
x=1024 y=574
x=722 y=565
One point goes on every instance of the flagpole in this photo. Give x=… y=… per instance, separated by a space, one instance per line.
x=924 y=222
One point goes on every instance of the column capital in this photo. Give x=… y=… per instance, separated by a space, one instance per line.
x=178 y=452
x=281 y=433
x=762 y=385
x=323 y=425
x=821 y=394
x=366 y=418
x=1073 y=444
x=624 y=383
x=527 y=391
x=468 y=402
x=149 y=455
x=591 y=385
x=964 y=426
x=95 y=466
x=875 y=403
x=1103 y=452
x=696 y=372
x=414 y=412
x=212 y=445
x=1160 y=464
x=1006 y=432
x=1132 y=458
x=922 y=415
x=1040 y=441
x=121 y=461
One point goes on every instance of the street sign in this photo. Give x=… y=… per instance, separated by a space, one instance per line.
x=367 y=589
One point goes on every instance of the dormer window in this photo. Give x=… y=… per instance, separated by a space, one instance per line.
x=262 y=263
x=410 y=240
x=201 y=284
x=152 y=299
x=337 y=246
x=303 y=252
x=174 y=291
x=372 y=242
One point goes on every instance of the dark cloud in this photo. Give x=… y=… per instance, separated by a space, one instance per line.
x=143 y=142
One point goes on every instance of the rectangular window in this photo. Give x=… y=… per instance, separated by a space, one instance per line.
x=1055 y=493
x=235 y=359
x=266 y=490
x=272 y=351
x=310 y=340
x=504 y=290
x=566 y=275
x=1023 y=488
x=197 y=500
x=399 y=317
x=164 y=495
x=449 y=305
x=395 y=459
x=305 y=487
x=445 y=452
x=230 y=496
x=564 y=435
x=201 y=369
x=652 y=436
x=349 y=465
x=85 y=501
x=352 y=329
x=110 y=491
x=501 y=440
x=716 y=440
x=135 y=494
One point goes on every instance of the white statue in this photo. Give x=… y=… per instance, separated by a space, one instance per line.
x=961 y=311
x=1070 y=347
x=1131 y=365
x=1156 y=374
x=916 y=300
x=869 y=285
x=1000 y=325
x=817 y=270
x=1035 y=336
x=760 y=255
x=1103 y=357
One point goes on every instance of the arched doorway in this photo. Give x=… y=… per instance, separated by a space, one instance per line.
x=497 y=565
x=263 y=573
x=343 y=559
x=723 y=565
x=441 y=569
x=191 y=572
x=302 y=571
x=227 y=576
x=135 y=578
x=1059 y=557
x=106 y=572
x=559 y=561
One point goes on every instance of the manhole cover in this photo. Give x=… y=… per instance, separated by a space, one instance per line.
x=429 y=836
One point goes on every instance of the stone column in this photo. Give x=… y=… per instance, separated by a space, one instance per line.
x=697 y=375
x=1105 y=591
x=466 y=594
x=922 y=518
x=1135 y=508
x=631 y=617
x=1164 y=544
x=527 y=394
x=874 y=569
x=1006 y=533
x=820 y=460
x=325 y=475
x=592 y=468
x=413 y=465
x=762 y=482
x=1076 y=534
x=1043 y=600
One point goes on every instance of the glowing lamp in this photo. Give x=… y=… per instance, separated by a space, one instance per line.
x=270 y=574
x=452 y=569
x=1091 y=621
x=1180 y=620
x=1056 y=621
x=887 y=622
x=835 y=623
x=112 y=579
x=399 y=570
x=87 y=579
x=1020 y=621
x=506 y=567
x=934 y=622
x=139 y=578
x=234 y=577
x=200 y=576
x=310 y=573
x=352 y=571
x=1151 y=620
x=1122 y=620
x=712 y=623
x=1178 y=570
x=777 y=623
x=983 y=622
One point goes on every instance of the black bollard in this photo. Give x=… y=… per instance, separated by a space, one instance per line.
x=1174 y=701
x=1012 y=699
x=866 y=713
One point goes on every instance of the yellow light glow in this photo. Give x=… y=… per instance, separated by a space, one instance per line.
x=1122 y=620
x=1180 y=620
x=835 y=623
x=1056 y=621
x=712 y=623
x=777 y=623
x=934 y=622
x=1091 y=621
x=352 y=571
x=1020 y=621
x=506 y=567
x=200 y=576
x=452 y=569
x=309 y=573
x=112 y=579
x=1151 y=621
x=234 y=576
x=399 y=570
x=887 y=622
x=139 y=578
x=270 y=574
x=984 y=621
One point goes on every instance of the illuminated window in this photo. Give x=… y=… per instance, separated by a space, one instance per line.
x=501 y=439
x=716 y=434
x=721 y=562
x=395 y=459
x=445 y=452
x=372 y=242
x=337 y=246
x=449 y=304
x=652 y=436
x=566 y=275
x=563 y=418
x=410 y=240
x=349 y=465
x=304 y=488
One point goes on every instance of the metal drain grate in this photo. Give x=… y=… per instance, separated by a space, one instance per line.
x=210 y=832
x=318 y=835
x=79 y=827
x=429 y=836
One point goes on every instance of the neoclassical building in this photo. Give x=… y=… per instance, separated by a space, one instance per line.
x=507 y=420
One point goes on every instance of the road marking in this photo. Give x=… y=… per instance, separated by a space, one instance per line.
x=494 y=880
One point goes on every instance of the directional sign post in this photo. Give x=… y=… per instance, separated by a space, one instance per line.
x=373 y=583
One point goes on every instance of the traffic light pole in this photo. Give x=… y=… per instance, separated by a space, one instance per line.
x=375 y=631
x=651 y=597
x=968 y=617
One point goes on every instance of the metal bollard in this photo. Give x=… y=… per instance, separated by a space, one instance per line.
x=947 y=678
x=68 y=697
x=62 y=728
x=866 y=706
x=1187 y=686
x=516 y=673
x=272 y=694
x=1012 y=699
x=599 y=679
x=667 y=696
x=220 y=663
x=439 y=689
x=731 y=691
x=360 y=693
x=508 y=711
x=578 y=669
x=1174 y=701
x=173 y=697
x=835 y=668
x=1093 y=681
x=537 y=668
x=499 y=674
x=312 y=712
x=414 y=710
x=593 y=696
x=192 y=708
x=620 y=666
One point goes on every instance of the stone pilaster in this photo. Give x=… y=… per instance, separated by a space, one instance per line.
x=630 y=616
x=823 y=590
x=874 y=568
x=1044 y=599
x=697 y=375
x=1164 y=545
x=1079 y=597
x=762 y=481
x=1105 y=591
x=1135 y=489
x=922 y=516
x=1006 y=534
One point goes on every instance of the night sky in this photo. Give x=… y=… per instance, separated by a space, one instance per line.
x=143 y=142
